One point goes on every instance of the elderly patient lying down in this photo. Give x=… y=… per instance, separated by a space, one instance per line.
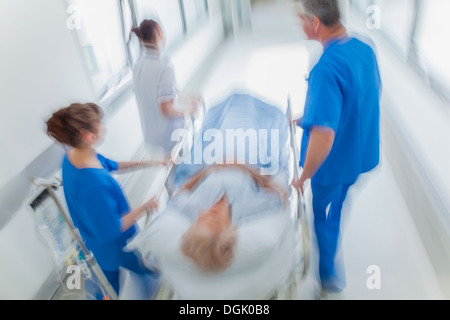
x=217 y=200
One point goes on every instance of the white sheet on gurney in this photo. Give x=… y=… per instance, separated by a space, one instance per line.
x=264 y=249
x=243 y=111
x=248 y=201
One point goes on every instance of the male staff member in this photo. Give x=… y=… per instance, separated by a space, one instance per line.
x=340 y=126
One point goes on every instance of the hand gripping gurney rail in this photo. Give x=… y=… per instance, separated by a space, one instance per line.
x=271 y=253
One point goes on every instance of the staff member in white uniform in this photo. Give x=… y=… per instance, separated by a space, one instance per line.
x=156 y=90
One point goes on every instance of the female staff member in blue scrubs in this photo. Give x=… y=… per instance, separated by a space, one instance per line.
x=341 y=126
x=96 y=202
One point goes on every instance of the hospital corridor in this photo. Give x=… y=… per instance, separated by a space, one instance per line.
x=250 y=63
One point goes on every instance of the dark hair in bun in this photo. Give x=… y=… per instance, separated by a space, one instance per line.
x=66 y=124
x=147 y=30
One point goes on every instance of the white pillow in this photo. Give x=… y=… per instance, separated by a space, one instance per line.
x=256 y=239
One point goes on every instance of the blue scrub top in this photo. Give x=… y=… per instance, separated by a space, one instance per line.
x=96 y=204
x=344 y=95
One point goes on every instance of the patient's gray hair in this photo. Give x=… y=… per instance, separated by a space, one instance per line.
x=209 y=251
x=326 y=10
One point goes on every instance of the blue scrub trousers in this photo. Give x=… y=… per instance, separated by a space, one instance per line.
x=327 y=228
x=148 y=279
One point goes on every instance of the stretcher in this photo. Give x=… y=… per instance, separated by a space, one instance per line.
x=272 y=252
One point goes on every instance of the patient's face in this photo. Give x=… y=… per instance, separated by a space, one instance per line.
x=218 y=217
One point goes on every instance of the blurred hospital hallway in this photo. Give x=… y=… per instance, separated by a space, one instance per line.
x=396 y=223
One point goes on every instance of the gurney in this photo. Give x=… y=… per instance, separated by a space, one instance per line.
x=272 y=251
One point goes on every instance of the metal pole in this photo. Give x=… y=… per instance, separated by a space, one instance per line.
x=89 y=257
x=301 y=210
x=171 y=166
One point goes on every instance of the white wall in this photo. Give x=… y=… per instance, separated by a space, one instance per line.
x=415 y=137
x=188 y=59
x=43 y=70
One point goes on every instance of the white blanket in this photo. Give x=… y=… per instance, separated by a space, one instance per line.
x=248 y=201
